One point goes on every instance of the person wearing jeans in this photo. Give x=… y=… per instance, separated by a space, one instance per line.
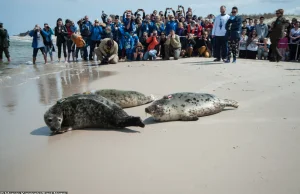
x=37 y=42
x=152 y=42
x=218 y=33
x=61 y=33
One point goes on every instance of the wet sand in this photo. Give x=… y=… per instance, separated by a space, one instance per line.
x=252 y=149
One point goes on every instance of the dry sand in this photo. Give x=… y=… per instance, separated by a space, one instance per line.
x=250 y=150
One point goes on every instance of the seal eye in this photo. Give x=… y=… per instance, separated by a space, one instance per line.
x=49 y=120
x=59 y=120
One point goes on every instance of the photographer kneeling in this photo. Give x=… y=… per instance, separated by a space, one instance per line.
x=107 y=52
x=172 y=45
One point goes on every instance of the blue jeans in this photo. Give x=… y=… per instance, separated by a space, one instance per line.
x=151 y=53
x=221 y=46
x=85 y=52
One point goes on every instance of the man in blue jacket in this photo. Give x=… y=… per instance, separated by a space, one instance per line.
x=37 y=42
x=129 y=24
x=85 y=29
x=48 y=40
x=96 y=32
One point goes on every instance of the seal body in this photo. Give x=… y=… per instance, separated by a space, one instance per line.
x=124 y=98
x=187 y=106
x=88 y=111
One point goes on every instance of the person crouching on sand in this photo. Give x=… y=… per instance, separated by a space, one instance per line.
x=107 y=52
x=79 y=42
x=37 y=42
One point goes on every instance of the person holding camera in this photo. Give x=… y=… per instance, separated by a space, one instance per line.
x=146 y=25
x=158 y=25
x=37 y=42
x=96 y=33
x=152 y=41
x=171 y=25
x=107 y=52
x=195 y=29
x=128 y=21
x=61 y=33
x=4 y=43
x=49 y=47
x=69 y=42
x=85 y=30
x=138 y=16
x=172 y=45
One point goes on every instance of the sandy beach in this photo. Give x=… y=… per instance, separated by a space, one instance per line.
x=250 y=150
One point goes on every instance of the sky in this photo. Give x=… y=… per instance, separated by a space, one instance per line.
x=22 y=15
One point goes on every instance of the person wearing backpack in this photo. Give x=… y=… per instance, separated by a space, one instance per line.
x=4 y=43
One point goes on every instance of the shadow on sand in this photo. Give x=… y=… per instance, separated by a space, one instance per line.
x=293 y=69
x=45 y=131
x=203 y=63
x=151 y=121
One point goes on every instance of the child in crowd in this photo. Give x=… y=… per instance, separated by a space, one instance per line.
x=79 y=42
x=283 y=46
x=139 y=51
x=252 y=45
x=243 y=44
x=263 y=50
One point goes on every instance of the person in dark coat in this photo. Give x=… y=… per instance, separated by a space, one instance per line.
x=276 y=34
x=233 y=30
x=4 y=43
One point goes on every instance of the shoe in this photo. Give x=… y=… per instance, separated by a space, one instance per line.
x=217 y=60
x=226 y=61
x=278 y=58
x=234 y=61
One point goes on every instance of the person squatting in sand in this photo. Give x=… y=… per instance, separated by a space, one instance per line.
x=4 y=43
x=107 y=52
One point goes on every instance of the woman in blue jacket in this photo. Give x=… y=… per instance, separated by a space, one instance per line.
x=96 y=32
x=233 y=30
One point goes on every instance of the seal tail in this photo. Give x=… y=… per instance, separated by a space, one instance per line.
x=230 y=103
x=151 y=98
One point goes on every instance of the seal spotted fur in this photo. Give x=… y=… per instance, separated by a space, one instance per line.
x=187 y=106
x=124 y=98
x=88 y=111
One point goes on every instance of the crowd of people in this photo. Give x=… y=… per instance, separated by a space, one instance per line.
x=140 y=36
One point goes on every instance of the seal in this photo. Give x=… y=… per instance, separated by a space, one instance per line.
x=187 y=106
x=87 y=111
x=124 y=98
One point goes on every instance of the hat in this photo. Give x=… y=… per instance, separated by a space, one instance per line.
x=45 y=24
x=96 y=21
x=117 y=17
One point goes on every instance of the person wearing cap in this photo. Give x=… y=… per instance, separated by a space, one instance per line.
x=137 y=15
x=4 y=43
x=49 y=47
x=276 y=34
x=107 y=52
x=218 y=34
x=37 y=42
x=96 y=33
x=233 y=32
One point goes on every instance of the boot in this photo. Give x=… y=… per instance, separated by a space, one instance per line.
x=69 y=55
x=33 y=60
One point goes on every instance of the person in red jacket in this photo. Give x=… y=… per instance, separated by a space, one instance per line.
x=152 y=42
x=195 y=29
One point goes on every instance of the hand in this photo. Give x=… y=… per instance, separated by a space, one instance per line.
x=151 y=34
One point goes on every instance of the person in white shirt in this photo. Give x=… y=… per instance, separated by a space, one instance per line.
x=218 y=33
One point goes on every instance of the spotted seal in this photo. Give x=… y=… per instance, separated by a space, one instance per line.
x=87 y=111
x=187 y=106
x=124 y=98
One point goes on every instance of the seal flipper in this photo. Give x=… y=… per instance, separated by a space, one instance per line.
x=130 y=121
x=189 y=118
x=230 y=103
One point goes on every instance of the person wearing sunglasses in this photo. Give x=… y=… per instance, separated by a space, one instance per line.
x=276 y=34
x=233 y=30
